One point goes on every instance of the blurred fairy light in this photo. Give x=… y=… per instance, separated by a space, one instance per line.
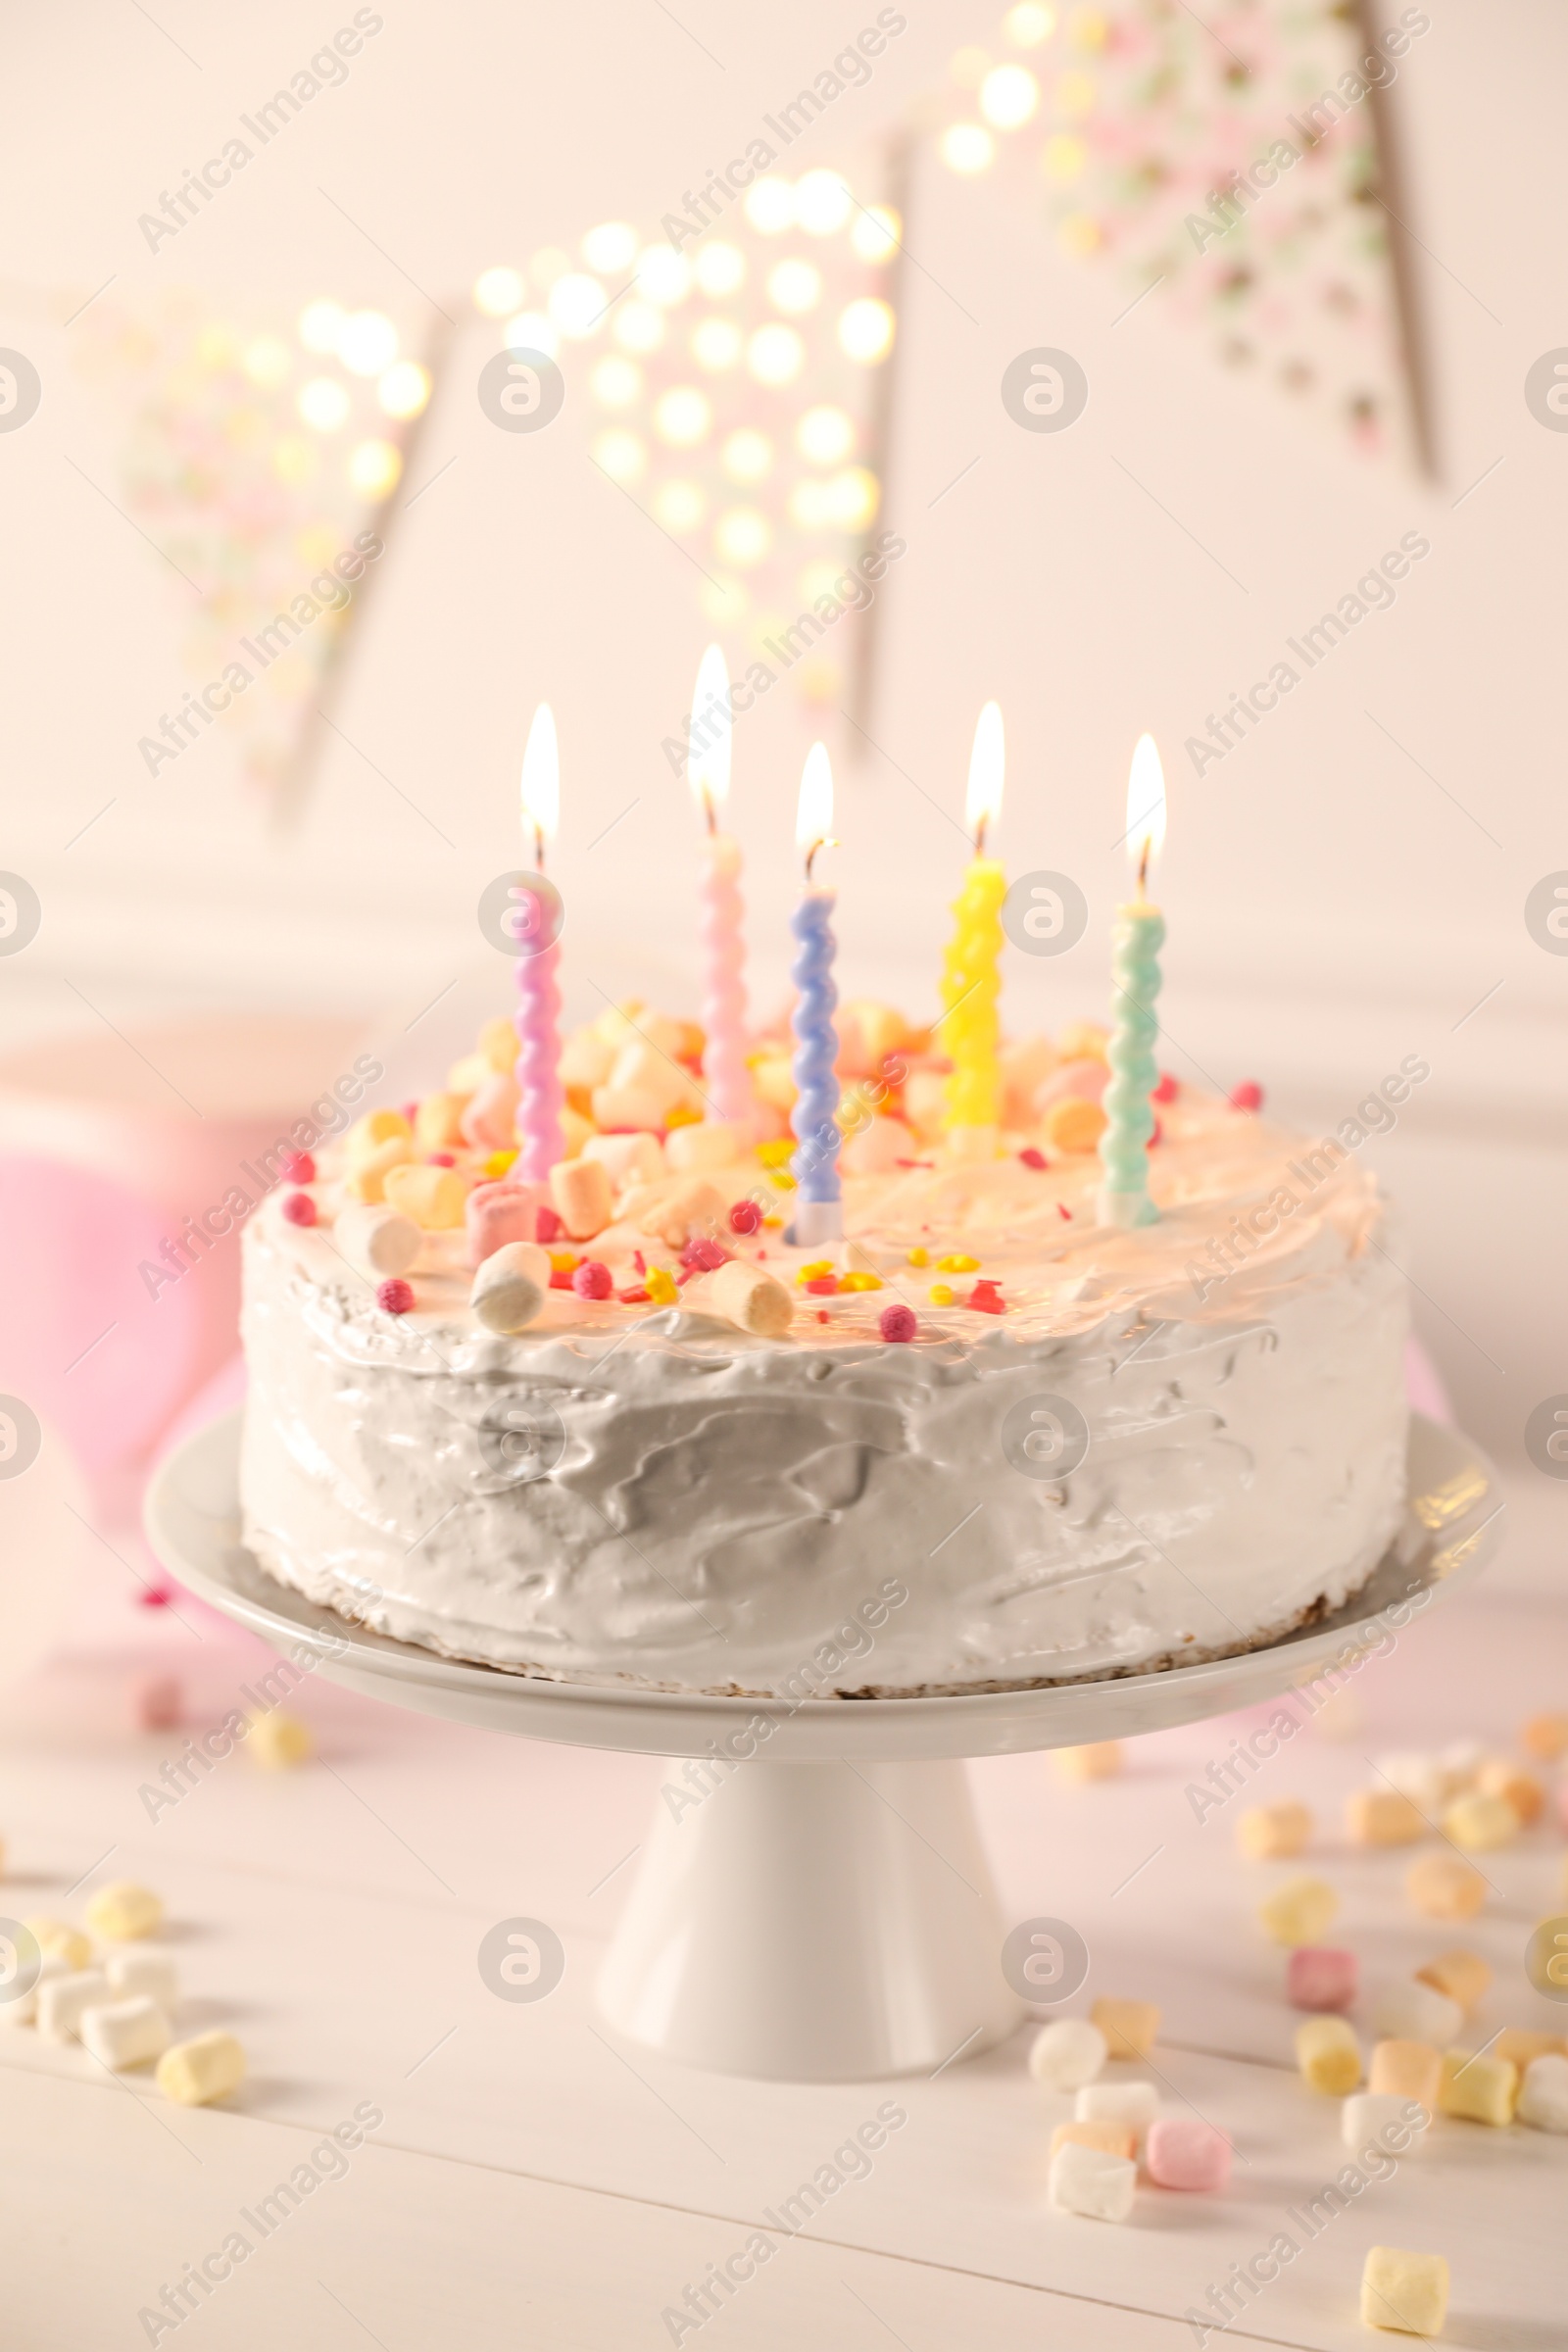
x=721 y=270
x=770 y=206
x=547 y=264
x=866 y=330
x=612 y=246
x=1008 y=97
x=967 y=148
x=638 y=327
x=267 y=362
x=367 y=343
x=875 y=234
x=324 y=403
x=621 y=454
x=743 y=537
x=531 y=330
x=822 y=203
x=497 y=291
x=680 y=507
x=683 y=417
x=1027 y=26
x=615 y=383
x=664 y=276
x=321 y=325
x=794 y=287
x=825 y=435
x=747 y=456
x=775 y=355
x=405 y=389
x=577 y=305
x=717 y=344
x=374 y=468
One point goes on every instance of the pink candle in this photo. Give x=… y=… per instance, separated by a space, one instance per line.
x=725 y=1072
x=538 y=1018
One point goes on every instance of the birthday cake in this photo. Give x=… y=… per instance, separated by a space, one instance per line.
x=629 y=1424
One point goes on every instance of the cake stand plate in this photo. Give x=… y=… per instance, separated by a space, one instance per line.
x=823 y=1909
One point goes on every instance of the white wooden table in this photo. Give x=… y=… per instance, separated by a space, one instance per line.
x=534 y=2185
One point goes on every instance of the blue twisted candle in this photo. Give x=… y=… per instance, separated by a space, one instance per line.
x=1136 y=942
x=815 y=1165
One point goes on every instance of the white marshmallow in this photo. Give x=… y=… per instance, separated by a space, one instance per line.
x=510 y=1286
x=148 y=1971
x=1419 y=1777
x=1067 y=2053
x=62 y=2000
x=1406 y=2010
x=704 y=1145
x=1544 y=2095
x=1367 y=2113
x=1092 y=2181
x=630 y=1158
x=1135 y=2104
x=23 y=2010
x=120 y=2033
x=377 y=1240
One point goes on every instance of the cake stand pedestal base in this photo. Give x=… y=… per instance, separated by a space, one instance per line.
x=812 y=1922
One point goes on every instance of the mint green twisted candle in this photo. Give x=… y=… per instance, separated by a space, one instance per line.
x=1135 y=977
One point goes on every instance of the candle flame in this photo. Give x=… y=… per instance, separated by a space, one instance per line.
x=1146 y=806
x=813 y=822
x=708 y=767
x=541 y=780
x=987 y=768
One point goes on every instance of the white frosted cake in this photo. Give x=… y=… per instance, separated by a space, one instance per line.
x=1079 y=1452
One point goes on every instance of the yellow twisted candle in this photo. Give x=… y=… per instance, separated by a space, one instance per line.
x=969 y=1029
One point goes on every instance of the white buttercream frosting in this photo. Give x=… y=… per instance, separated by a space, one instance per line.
x=654 y=1496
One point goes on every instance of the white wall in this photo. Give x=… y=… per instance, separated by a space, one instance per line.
x=1332 y=905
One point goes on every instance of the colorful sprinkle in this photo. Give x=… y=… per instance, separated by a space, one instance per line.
x=662 y=1288
x=983 y=1300
x=778 y=1153
x=815 y=1269
x=898 y=1323
x=439 y=1160
x=298 y=1167
x=592 y=1279
x=299 y=1208
x=940 y=1294
x=702 y=1257
x=1167 y=1090
x=498 y=1163
x=958 y=1264
x=394 y=1296
x=860 y=1282
x=1032 y=1158
x=745 y=1217
x=822 y=1285
x=920 y=1257
x=1062 y=1210
x=1248 y=1095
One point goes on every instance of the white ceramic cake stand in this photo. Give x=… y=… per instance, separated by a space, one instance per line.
x=825 y=1914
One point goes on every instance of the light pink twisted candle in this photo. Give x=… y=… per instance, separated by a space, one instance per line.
x=538 y=1027
x=725 y=1067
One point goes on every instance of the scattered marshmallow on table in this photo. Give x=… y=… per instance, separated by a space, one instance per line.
x=58 y=1935
x=1300 y=1911
x=129 y=2033
x=1099 y=1760
x=1522 y=2048
x=1135 y=2104
x=1420 y=1778
x=1544 y=2094
x=1443 y=1888
x=1273 y=1832
x=1545 y=1736
x=1181 y=2151
x=208 y=2067
x=146 y=1970
x=1410 y=2010
x=1407 y=2069
x=1518 y=1788
x=276 y=1741
x=1463 y=1976
x=1477 y=2088
x=1130 y=2028
x=1328 y=2054
x=122 y=1911
x=1067 y=2053
x=1089 y=2182
x=1318 y=1976
x=1385 y=2116
x=1407 y=2291
x=62 y=2000
x=1100 y=2132
x=1384 y=1817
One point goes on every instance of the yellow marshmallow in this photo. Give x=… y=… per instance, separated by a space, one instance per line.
x=121 y=1911
x=377 y=1127
x=1481 y=1822
x=1407 y=2291
x=1273 y=1832
x=1099 y=1760
x=368 y=1174
x=1382 y=1817
x=1445 y=1887
x=1328 y=2055
x=1299 y=1912
x=208 y=2067
x=438 y=1122
x=1481 y=2089
x=277 y=1740
x=59 y=1936
x=436 y=1198
x=1130 y=2028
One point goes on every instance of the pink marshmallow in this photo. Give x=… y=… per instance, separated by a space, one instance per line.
x=497 y=1213
x=1181 y=2151
x=489 y=1117
x=1316 y=1978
